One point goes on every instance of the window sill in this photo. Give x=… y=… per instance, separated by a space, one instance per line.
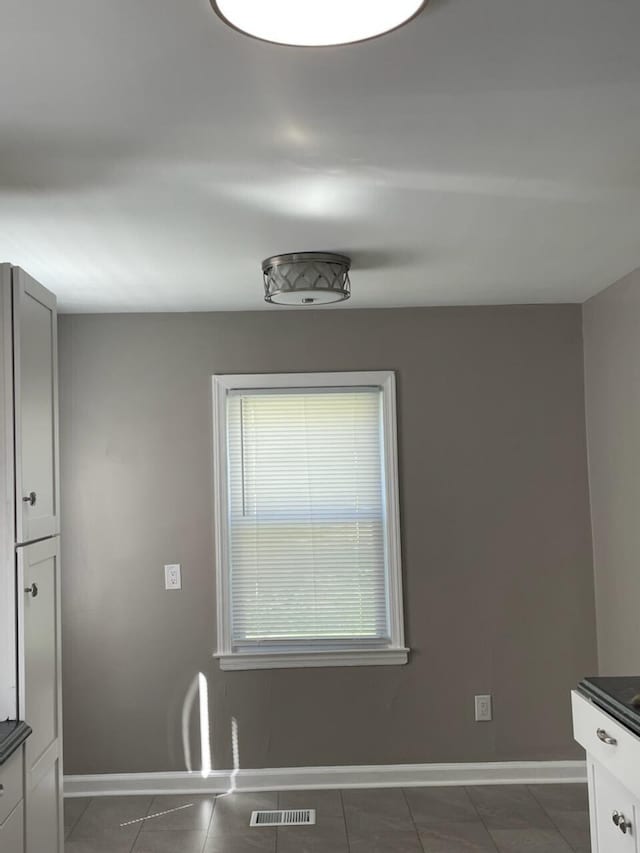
x=300 y=660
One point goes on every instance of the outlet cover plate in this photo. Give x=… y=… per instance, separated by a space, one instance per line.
x=172 y=576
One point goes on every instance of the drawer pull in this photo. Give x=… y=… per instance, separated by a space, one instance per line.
x=605 y=738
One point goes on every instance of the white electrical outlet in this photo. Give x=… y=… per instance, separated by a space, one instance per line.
x=172 y=577
x=483 y=708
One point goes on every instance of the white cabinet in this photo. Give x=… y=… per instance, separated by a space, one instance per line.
x=30 y=686
x=36 y=424
x=39 y=582
x=613 y=762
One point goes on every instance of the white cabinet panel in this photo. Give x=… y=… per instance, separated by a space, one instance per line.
x=44 y=824
x=39 y=582
x=36 y=426
x=12 y=832
x=11 y=782
x=8 y=685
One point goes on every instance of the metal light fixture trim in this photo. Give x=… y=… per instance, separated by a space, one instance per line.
x=306 y=278
x=224 y=10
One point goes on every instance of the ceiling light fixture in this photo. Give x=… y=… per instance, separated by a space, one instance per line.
x=306 y=278
x=316 y=23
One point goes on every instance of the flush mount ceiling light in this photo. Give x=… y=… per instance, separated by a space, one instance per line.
x=306 y=278
x=316 y=23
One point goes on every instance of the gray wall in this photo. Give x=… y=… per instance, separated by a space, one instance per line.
x=496 y=538
x=612 y=371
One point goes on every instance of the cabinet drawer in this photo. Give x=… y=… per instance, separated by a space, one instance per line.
x=607 y=742
x=11 y=773
x=12 y=832
x=616 y=812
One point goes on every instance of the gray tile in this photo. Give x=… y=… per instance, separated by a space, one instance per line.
x=74 y=808
x=232 y=813
x=509 y=807
x=568 y=808
x=457 y=837
x=99 y=845
x=104 y=815
x=399 y=841
x=568 y=798
x=255 y=840
x=533 y=840
x=328 y=836
x=171 y=841
x=191 y=811
x=326 y=803
x=574 y=828
x=521 y=819
x=376 y=810
x=438 y=804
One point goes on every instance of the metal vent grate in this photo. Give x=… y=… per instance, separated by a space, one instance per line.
x=284 y=817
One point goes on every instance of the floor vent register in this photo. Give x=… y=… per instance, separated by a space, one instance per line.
x=284 y=817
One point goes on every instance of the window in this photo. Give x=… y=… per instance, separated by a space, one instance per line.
x=307 y=530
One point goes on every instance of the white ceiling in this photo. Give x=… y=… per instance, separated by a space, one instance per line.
x=488 y=152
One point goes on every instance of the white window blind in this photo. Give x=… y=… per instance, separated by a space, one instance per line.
x=306 y=516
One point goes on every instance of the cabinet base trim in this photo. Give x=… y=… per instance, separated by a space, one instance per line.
x=292 y=778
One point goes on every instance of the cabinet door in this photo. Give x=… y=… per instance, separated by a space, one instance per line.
x=36 y=399
x=40 y=698
x=616 y=813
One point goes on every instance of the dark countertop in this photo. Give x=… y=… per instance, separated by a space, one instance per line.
x=616 y=695
x=13 y=734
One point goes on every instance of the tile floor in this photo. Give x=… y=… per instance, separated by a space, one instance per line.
x=486 y=819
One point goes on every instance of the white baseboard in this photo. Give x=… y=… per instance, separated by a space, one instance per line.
x=292 y=778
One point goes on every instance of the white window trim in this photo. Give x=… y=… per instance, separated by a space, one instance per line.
x=395 y=652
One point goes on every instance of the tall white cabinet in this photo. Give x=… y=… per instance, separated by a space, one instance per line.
x=30 y=651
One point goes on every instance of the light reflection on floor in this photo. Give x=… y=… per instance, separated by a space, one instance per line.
x=156 y=814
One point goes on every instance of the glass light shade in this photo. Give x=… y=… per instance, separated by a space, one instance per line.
x=316 y=23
